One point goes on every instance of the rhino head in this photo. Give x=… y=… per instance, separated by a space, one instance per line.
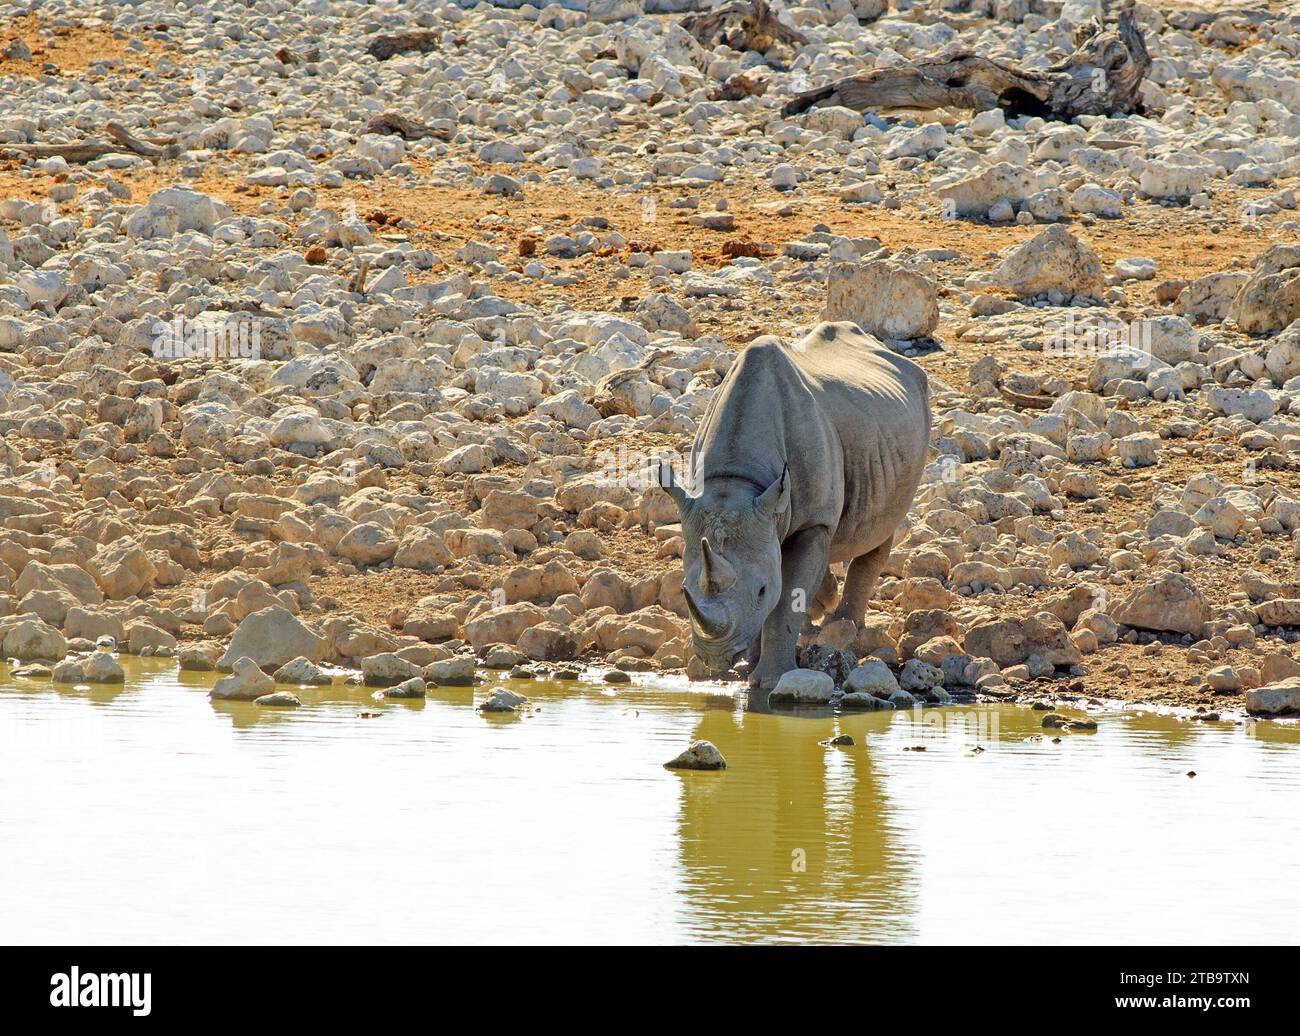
x=732 y=562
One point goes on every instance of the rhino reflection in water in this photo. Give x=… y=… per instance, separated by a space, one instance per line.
x=794 y=841
x=809 y=454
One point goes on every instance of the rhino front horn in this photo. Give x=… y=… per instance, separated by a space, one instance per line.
x=707 y=628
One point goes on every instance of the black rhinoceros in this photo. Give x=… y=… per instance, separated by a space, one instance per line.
x=808 y=454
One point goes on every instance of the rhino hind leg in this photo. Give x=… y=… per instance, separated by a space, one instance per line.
x=824 y=600
x=861 y=580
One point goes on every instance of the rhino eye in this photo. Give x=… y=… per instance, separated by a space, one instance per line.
x=762 y=590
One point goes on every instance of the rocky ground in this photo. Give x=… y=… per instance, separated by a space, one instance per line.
x=332 y=356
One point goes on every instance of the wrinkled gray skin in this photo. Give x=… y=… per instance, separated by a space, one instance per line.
x=809 y=454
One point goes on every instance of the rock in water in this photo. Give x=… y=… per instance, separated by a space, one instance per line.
x=866 y=702
x=303 y=672
x=1054 y=722
x=271 y=637
x=1275 y=699
x=68 y=672
x=501 y=699
x=101 y=667
x=451 y=672
x=198 y=658
x=245 y=683
x=874 y=678
x=702 y=755
x=412 y=688
x=386 y=669
x=279 y=700
x=803 y=687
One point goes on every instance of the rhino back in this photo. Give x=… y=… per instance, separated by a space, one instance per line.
x=848 y=416
x=877 y=402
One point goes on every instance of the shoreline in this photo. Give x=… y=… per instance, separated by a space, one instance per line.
x=1034 y=695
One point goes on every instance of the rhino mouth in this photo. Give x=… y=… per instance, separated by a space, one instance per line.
x=719 y=659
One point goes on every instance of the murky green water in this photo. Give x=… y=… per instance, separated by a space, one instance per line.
x=149 y=814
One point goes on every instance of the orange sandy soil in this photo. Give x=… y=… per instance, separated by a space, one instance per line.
x=70 y=50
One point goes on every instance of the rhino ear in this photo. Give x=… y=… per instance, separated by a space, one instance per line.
x=776 y=497
x=668 y=482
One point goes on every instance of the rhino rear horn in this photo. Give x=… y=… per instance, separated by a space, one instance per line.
x=776 y=497
x=668 y=482
x=717 y=572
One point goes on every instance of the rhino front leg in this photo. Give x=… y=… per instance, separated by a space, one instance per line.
x=804 y=558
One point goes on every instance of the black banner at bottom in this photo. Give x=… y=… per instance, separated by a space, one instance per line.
x=135 y=986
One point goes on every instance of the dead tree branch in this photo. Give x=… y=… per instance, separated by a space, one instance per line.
x=391 y=123
x=89 y=150
x=1102 y=77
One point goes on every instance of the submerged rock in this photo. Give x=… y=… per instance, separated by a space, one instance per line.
x=865 y=702
x=1052 y=721
x=501 y=699
x=412 y=688
x=279 y=700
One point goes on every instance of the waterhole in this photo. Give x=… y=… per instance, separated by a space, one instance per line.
x=146 y=813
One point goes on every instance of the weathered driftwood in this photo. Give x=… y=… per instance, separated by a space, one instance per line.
x=1025 y=402
x=391 y=123
x=742 y=25
x=1101 y=77
x=89 y=150
x=422 y=40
